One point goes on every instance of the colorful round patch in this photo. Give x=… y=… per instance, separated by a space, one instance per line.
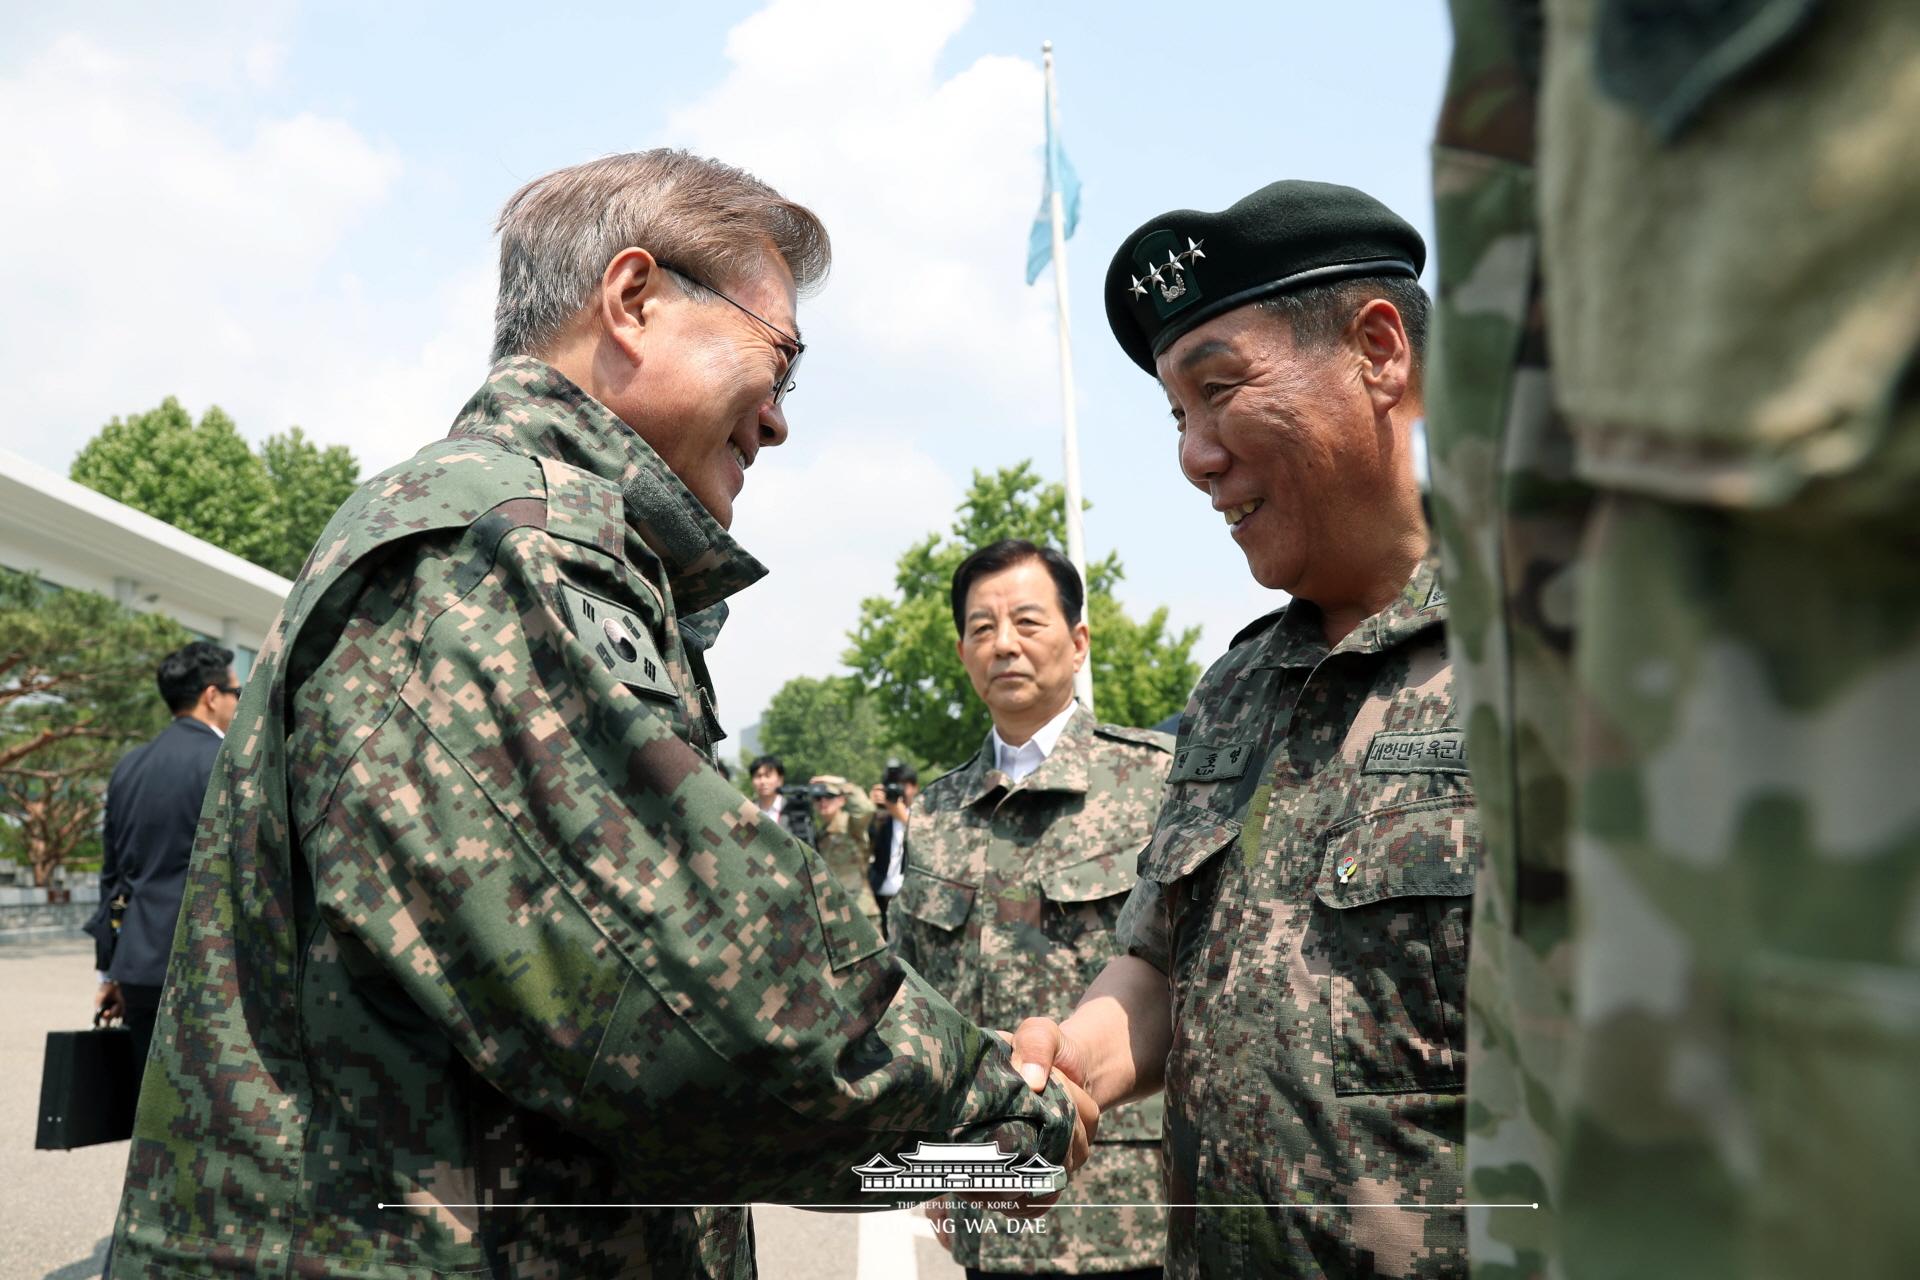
x=1348 y=865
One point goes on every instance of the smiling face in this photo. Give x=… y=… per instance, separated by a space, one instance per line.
x=1018 y=648
x=709 y=372
x=693 y=377
x=1302 y=450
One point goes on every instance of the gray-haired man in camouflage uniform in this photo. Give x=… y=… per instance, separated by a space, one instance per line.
x=1017 y=865
x=1296 y=958
x=475 y=934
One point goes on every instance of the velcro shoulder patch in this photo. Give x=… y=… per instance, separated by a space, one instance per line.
x=1138 y=737
x=584 y=508
x=1440 y=751
x=1210 y=763
x=620 y=640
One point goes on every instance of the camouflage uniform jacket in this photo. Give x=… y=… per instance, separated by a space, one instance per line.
x=471 y=918
x=1008 y=906
x=1306 y=891
x=843 y=843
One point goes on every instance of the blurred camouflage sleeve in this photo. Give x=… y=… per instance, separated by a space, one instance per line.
x=1144 y=929
x=611 y=935
x=904 y=936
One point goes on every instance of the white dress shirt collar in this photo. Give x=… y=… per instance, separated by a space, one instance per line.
x=1018 y=762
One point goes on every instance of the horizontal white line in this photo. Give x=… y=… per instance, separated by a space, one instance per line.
x=883 y=1208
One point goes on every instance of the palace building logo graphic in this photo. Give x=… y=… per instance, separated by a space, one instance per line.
x=960 y=1166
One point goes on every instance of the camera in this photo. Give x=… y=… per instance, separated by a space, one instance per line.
x=796 y=815
x=893 y=781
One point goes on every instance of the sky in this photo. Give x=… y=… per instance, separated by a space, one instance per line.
x=286 y=210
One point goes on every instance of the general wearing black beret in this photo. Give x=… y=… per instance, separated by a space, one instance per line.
x=1183 y=268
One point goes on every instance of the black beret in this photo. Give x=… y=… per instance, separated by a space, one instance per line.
x=1183 y=268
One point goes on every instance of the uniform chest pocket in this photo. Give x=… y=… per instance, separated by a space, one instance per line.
x=930 y=914
x=1185 y=838
x=944 y=904
x=1181 y=859
x=1395 y=898
x=1082 y=901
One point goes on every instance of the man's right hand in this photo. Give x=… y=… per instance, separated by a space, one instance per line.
x=1086 y=1122
x=108 y=1004
x=1041 y=1047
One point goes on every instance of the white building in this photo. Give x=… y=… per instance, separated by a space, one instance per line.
x=78 y=539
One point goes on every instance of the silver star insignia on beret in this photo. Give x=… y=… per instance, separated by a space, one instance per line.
x=1153 y=273
x=1193 y=248
x=1137 y=289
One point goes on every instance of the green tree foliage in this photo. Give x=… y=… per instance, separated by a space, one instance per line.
x=903 y=646
x=267 y=507
x=826 y=726
x=76 y=688
x=309 y=484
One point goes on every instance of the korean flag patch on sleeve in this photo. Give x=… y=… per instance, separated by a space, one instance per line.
x=619 y=640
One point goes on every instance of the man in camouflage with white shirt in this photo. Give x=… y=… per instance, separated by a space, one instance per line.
x=1018 y=863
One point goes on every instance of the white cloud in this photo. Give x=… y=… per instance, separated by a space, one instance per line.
x=928 y=185
x=829 y=528
x=169 y=240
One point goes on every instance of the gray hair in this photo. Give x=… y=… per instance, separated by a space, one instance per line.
x=1318 y=314
x=714 y=221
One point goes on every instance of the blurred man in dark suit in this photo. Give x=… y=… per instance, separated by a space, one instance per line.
x=153 y=805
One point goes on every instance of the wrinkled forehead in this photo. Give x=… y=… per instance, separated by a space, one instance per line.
x=1242 y=332
x=1026 y=584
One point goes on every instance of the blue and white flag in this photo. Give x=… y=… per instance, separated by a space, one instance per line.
x=1061 y=178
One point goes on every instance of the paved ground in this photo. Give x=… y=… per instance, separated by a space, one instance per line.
x=56 y=1207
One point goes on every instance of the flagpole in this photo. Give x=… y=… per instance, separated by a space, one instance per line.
x=1070 y=443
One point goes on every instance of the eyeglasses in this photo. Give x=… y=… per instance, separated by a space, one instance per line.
x=793 y=349
x=233 y=689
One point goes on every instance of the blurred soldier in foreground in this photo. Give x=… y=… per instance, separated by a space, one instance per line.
x=1296 y=951
x=472 y=919
x=840 y=825
x=1676 y=439
x=1017 y=865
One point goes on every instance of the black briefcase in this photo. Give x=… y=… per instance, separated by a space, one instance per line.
x=88 y=1085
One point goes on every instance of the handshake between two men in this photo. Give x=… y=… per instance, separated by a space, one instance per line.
x=477 y=946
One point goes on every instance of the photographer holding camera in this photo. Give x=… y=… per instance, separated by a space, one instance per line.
x=887 y=833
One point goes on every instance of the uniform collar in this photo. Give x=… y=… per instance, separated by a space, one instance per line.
x=1298 y=639
x=1042 y=740
x=532 y=408
x=1064 y=769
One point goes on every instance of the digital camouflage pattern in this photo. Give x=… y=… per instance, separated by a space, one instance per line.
x=1307 y=892
x=1686 y=613
x=1008 y=906
x=471 y=918
x=842 y=841
x=1508 y=512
